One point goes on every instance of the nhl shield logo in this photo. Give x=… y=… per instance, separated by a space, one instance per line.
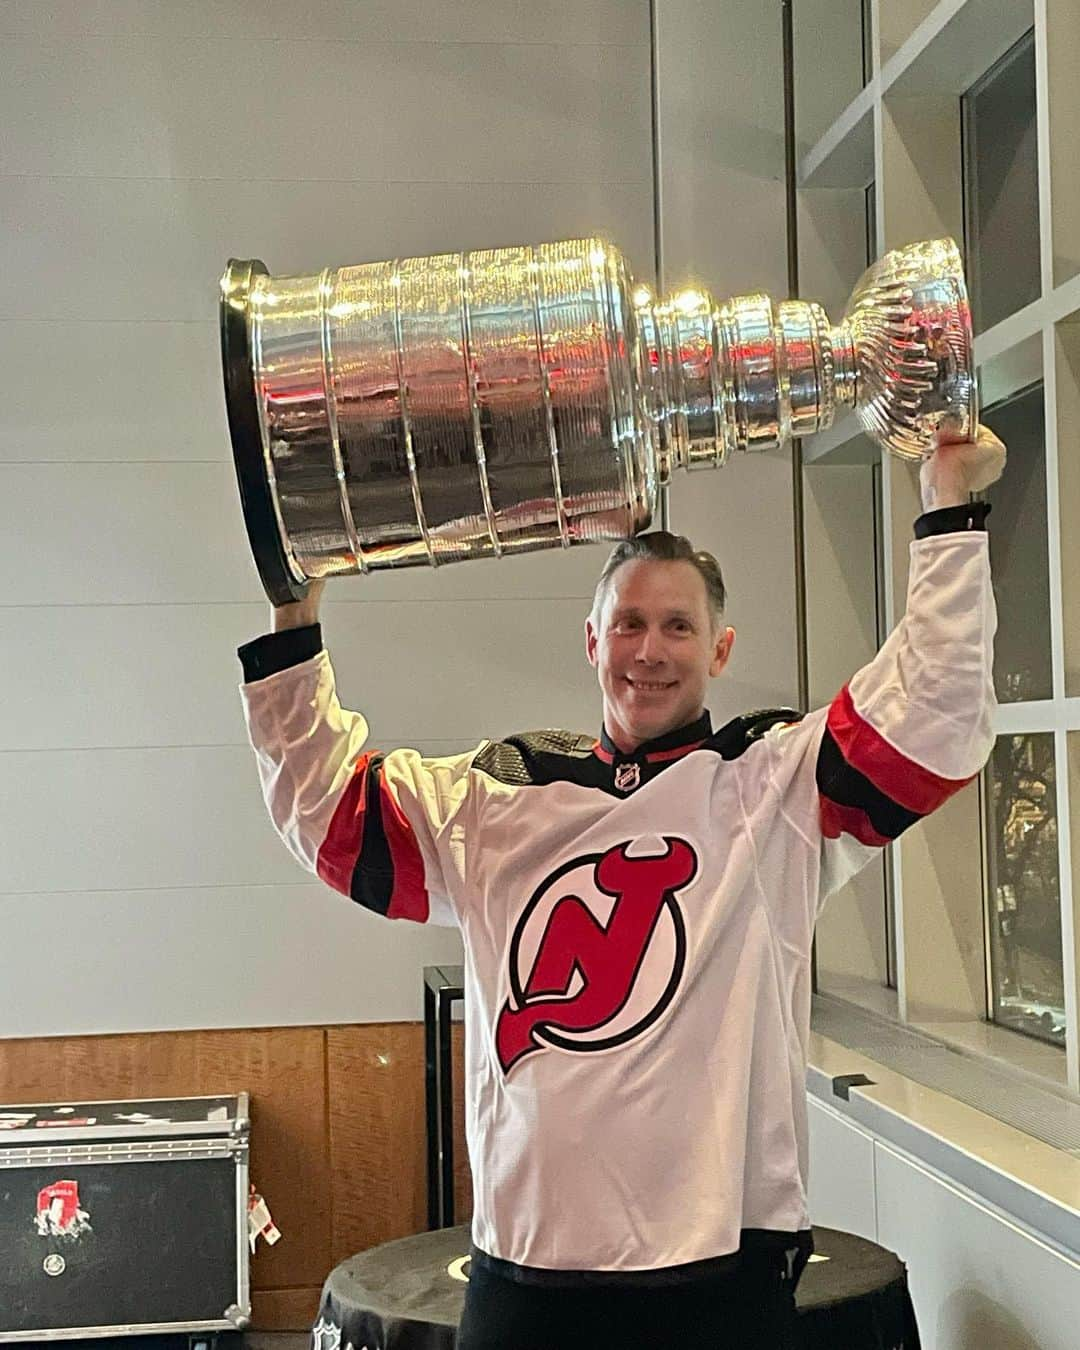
x=325 y=1335
x=627 y=777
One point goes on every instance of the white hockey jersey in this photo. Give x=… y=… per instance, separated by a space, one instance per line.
x=637 y=928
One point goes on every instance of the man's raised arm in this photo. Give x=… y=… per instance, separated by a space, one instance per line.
x=374 y=827
x=915 y=724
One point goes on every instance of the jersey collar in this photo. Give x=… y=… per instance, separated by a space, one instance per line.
x=672 y=745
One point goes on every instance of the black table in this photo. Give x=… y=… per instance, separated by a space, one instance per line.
x=408 y=1295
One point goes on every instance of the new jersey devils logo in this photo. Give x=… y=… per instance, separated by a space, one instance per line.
x=597 y=954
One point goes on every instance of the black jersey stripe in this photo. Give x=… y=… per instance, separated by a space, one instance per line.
x=845 y=786
x=373 y=876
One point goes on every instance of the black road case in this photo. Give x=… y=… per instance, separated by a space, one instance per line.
x=123 y=1217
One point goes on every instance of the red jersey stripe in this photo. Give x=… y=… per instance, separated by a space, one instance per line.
x=654 y=756
x=409 y=898
x=899 y=778
x=661 y=756
x=340 y=849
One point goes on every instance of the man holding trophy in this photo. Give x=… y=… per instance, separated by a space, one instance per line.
x=637 y=909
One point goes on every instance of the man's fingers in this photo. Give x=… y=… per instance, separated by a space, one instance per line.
x=982 y=459
x=989 y=458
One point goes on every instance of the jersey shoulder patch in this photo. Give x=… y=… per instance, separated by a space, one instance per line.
x=534 y=757
x=737 y=736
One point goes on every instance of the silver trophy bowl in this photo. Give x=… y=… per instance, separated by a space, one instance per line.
x=467 y=405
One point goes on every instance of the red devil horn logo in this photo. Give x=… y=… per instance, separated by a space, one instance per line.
x=606 y=957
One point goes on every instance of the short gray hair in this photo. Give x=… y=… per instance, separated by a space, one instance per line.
x=660 y=546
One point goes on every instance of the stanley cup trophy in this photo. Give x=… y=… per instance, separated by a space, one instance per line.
x=468 y=405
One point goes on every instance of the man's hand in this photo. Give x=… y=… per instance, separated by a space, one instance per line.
x=300 y=614
x=958 y=468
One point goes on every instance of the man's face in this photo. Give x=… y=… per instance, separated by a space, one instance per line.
x=655 y=649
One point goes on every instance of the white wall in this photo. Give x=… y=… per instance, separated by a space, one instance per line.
x=141 y=887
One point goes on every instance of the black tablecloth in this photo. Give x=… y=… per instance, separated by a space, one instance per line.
x=404 y=1296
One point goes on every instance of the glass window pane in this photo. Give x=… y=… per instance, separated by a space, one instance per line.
x=882 y=633
x=897 y=20
x=1067 y=413
x=1001 y=187
x=842 y=524
x=828 y=36
x=871 y=222
x=1018 y=547
x=867 y=21
x=1027 y=979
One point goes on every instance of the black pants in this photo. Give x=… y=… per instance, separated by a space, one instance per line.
x=752 y=1309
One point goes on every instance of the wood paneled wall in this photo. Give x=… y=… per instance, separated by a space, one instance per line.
x=337 y=1140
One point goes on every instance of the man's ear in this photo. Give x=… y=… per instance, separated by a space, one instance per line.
x=592 y=641
x=725 y=640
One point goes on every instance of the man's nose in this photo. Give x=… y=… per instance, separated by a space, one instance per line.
x=651 y=650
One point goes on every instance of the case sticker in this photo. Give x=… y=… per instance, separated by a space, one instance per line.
x=71 y=1120
x=59 y=1213
x=260 y=1224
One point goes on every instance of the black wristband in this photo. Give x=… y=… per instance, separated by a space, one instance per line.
x=278 y=651
x=952 y=519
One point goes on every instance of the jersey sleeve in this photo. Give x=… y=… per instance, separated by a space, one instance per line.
x=385 y=829
x=908 y=730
